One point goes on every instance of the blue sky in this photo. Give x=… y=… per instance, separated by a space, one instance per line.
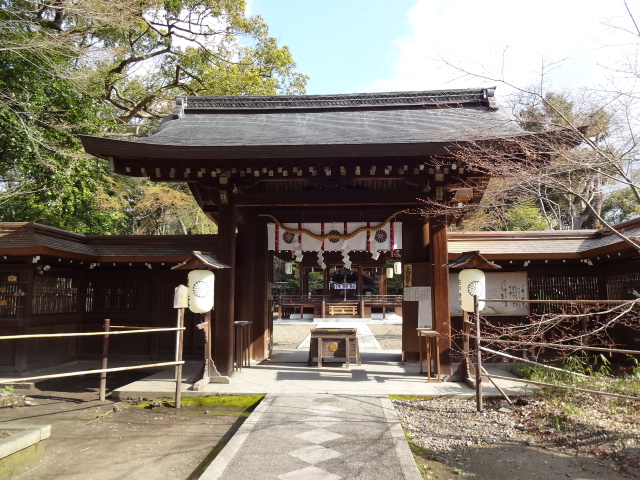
x=342 y=45
x=374 y=45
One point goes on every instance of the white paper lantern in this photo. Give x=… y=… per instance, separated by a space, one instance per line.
x=201 y=283
x=470 y=283
x=397 y=268
x=288 y=268
x=389 y=272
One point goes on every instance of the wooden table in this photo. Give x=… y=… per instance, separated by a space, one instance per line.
x=334 y=343
x=431 y=341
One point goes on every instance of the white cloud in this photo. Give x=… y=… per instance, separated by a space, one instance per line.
x=249 y=8
x=504 y=39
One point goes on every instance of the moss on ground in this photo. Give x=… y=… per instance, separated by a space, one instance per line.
x=411 y=397
x=240 y=405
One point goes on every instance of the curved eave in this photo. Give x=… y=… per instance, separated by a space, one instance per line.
x=45 y=251
x=127 y=149
x=107 y=147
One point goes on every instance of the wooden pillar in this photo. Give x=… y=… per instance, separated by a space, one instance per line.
x=440 y=291
x=225 y=289
x=268 y=292
x=155 y=314
x=361 y=309
x=382 y=285
x=415 y=252
x=325 y=283
x=24 y=323
x=262 y=311
x=247 y=286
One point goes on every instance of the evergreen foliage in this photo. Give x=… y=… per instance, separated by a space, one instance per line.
x=112 y=68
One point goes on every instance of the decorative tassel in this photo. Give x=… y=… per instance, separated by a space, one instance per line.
x=345 y=255
x=321 y=260
x=374 y=251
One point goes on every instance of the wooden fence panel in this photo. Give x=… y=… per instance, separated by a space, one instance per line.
x=561 y=287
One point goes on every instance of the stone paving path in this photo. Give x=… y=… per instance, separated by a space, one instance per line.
x=317 y=437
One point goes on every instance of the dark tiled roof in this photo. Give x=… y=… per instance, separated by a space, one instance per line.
x=543 y=244
x=349 y=127
x=406 y=123
x=34 y=239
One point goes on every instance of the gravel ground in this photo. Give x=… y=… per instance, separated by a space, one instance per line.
x=446 y=424
x=542 y=437
x=388 y=336
x=290 y=336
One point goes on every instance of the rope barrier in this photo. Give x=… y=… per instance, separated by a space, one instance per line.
x=340 y=236
x=89 y=372
x=88 y=334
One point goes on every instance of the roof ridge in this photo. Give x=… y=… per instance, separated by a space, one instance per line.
x=436 y=98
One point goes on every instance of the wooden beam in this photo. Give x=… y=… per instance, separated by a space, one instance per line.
x=334 y=198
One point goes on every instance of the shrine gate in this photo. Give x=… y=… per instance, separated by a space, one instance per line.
x=298 y=175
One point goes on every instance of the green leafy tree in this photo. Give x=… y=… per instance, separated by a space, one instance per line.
x=166 y=209
x=113 y=68
x=525 y=215
x=44 y=176
x=621 y=205
x=572 y=188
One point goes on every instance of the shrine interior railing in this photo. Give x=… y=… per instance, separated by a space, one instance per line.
x=314 y=299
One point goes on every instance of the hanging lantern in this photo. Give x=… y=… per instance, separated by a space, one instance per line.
x=397 y=268
x=389 y=272
x=288 y=268
x=471 y=282
x=201 y=284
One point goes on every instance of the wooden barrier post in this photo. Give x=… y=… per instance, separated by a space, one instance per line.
x=179 y=346
x=180 y=302
x=476 y=312
x=105 y=354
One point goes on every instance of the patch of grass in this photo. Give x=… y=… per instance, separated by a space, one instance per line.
x=411 y=397
x=558 y=421
x=16 y=462
x=598 y=373
x=569 y=408
x=158 y=402
x=220 y=404
x=540 y=374
x=429 y=467
x=245 y=402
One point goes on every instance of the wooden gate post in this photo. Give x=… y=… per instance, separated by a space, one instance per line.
x=105 y=354
x=476 y=312
x=179 y=346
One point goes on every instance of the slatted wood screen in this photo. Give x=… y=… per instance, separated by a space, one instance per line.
x=118 y=295
x=556 y=287
x=11 y=298
x=623 y=286
x=53 y=295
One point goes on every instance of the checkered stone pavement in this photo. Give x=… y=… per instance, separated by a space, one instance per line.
x=323 y=437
